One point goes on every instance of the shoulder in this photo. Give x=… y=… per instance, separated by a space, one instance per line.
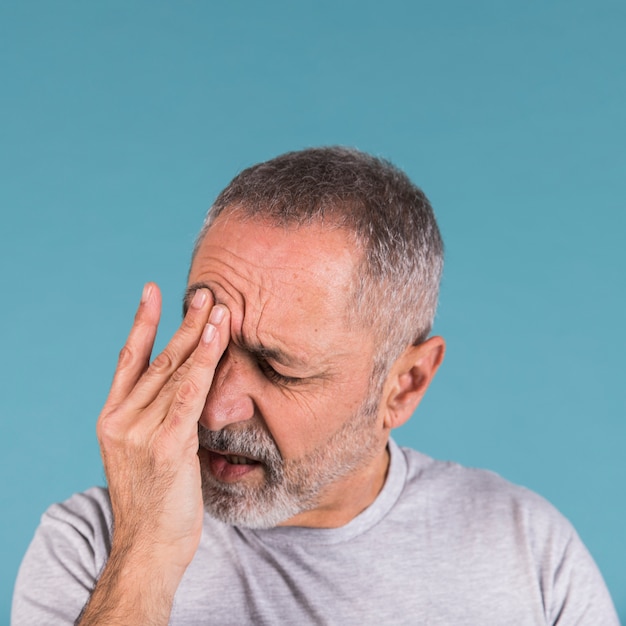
x=481 y=515
x=64 y=559
x=505 y=532
x=450 y=488
x=84 y=521
x=88 y=512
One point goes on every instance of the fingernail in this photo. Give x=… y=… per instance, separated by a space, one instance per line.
x=208 y=333
x=217 y=314
x=147 y=290
x=199 y=298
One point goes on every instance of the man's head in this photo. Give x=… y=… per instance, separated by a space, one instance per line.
x=328 y=261
x=396 y=282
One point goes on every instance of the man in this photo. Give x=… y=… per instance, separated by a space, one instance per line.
x=251 y=476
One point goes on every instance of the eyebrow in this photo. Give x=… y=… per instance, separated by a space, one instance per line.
x=189 y=294
x=257 y=350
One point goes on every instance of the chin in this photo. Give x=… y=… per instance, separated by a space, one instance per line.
x=248 y=506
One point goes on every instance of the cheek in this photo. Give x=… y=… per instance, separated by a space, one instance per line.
x=300 y=421
x=295 y=420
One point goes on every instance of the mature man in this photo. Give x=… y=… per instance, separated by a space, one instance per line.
x=251 y=477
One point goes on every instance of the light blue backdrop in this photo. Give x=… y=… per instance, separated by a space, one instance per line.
x=121 y=121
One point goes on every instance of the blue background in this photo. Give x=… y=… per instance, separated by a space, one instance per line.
x=121 y=121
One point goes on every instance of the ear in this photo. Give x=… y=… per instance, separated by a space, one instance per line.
x=409 y=378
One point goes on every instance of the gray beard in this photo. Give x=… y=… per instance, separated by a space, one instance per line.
x=289 y=487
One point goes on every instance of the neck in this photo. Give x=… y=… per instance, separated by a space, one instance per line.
x=342 y=501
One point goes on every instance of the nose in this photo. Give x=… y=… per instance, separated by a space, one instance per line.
x=229 y=399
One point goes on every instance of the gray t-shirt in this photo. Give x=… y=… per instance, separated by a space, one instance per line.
x=442 y=544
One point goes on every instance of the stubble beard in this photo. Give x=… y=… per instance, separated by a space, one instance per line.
x=288 y=487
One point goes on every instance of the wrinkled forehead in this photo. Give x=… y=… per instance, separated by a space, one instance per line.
x=277 y=280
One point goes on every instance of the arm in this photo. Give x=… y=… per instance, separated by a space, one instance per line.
x=149 y=442
x=576 y=592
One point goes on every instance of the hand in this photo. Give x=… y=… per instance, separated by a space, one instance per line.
x=148 y=434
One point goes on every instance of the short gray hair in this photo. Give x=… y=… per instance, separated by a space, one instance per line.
x=396 y=283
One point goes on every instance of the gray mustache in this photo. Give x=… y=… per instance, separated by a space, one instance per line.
x=251 y=442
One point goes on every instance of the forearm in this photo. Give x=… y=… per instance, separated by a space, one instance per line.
x=134 y=588
x=148 y=434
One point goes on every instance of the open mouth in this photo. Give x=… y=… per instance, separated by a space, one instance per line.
x=238 y=460
x=229 y=467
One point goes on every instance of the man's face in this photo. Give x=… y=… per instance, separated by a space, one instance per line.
x=290 y=431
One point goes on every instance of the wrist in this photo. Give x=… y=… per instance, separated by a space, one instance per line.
x=137 y=586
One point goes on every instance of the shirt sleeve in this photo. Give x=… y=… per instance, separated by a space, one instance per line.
x=578 y=595
x=63 y=561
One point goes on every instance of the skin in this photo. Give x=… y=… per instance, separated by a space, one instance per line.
x=283 y=299
x=264 y=341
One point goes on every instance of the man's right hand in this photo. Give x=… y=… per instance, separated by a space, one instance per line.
x=148 y=434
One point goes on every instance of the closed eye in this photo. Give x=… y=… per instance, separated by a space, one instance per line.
x=274 y=376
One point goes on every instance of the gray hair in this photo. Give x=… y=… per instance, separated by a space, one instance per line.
x=396 y=282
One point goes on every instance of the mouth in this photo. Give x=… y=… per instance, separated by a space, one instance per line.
x=238 y=460
x=228 y=467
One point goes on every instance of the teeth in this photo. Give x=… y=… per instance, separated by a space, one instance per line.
x=238 y=460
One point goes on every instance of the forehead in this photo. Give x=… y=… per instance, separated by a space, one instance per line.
x=280 y=284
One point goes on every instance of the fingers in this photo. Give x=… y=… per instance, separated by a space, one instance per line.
x=149 y=439
x=191 y=394
x=137 y=382
x=165 y=365
x=135 y=355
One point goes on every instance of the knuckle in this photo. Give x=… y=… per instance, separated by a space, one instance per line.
x=172 y=383
x=115 y=434
x=164 y=362
x=187 y=390
x=107 y=430
x=179 y=374
x=190 y=322
x=125 y=357
x=186 y=398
